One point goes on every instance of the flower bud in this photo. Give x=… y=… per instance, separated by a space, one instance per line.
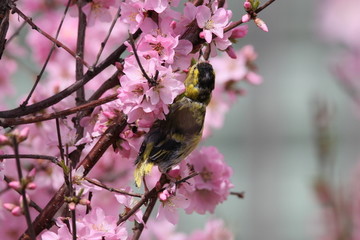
x=4 y=140
x=23 y=135
x=32 y=173
x=231 y=52
x=16 y=211
x=31 y=186
x=261 y=24
x=247 y=6
x=84 y=201
x=9 y=206
x=72 y=206
x=245 y=18
x=15 y=185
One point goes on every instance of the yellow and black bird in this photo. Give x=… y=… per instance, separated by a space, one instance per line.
x=169 y=141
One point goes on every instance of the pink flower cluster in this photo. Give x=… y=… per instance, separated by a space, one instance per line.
x=201 y=193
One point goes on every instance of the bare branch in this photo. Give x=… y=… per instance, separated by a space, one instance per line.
x=34 y=26
x=22 y=190
x=31 y=156
x=38 y=77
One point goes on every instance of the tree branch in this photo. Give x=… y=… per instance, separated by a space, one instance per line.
x=43 y=220
x=31 y=156
x=38 y=77
x=90 y=74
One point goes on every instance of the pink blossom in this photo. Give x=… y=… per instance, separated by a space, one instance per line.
x=138 y=99
x=170 y=203
x=212 y=24
x=98 y=9
x=161 y=230
x=95 y=225
x=128 y=202
x=159 y=47
x=157 y=5
x=212 y=185
x=167 y=89
x=132 y=13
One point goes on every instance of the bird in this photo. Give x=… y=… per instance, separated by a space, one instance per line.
x=171 y=140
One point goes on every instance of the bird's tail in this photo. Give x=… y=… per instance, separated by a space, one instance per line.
x=143 y=168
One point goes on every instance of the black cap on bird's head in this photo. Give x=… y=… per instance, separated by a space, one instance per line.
x=200 y=82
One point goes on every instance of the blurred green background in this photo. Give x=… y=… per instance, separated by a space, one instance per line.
x=268 y=135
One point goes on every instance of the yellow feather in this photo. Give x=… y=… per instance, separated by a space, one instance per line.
x=143 y=166
x=142 y=169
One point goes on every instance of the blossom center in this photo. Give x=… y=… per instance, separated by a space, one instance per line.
x=206 y=175
x=132 y=16
x=157 y=47
x=209 y=24
x=96 y=6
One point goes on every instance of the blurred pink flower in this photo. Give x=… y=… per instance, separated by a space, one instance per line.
x=157 y=5
x=214 y=230
x=333 y=14
x=98 y=10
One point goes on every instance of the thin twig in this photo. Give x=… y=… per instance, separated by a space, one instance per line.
x=186 y=178
x=110 y=189
x=239 y=22
x=112 y=82
x=60 y=146
x=140 y=227
x=265 y=5
x=31 y=156
x=58 y=43
x=69 y=183
x=22 y=190
x=88 y=207
x=107 y=37
x=38 y=77
x=238 y=194
x=80 y=45
x=61 y=114
x=4 y=24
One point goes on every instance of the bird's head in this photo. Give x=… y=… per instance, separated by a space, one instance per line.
x=200 y=82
